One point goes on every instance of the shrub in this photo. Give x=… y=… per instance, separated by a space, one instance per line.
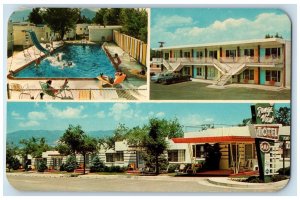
x=42 y=166
x=62 y=167
x=71 y=164
x=114 y=169
x=15 y=164
x=97 y=165
x=276 y=178
x=172 y=168
x=287 y=171
x=253 y=179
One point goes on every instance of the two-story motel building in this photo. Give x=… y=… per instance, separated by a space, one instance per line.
x=258 y=61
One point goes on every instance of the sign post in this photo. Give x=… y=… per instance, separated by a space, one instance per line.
x=265 y=133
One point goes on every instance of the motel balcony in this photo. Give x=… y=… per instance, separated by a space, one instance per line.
x=209 y=60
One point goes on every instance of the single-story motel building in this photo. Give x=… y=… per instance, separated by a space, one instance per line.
x=256 y=61
x=237 y=149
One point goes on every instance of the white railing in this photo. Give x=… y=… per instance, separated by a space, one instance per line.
x=210 y=60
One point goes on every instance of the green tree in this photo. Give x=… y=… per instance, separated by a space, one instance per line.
x=35 y=16
x=283 y=116
x=245 y=122
x=71 y=140
x=61 y=20
x=11 y=161
x=135 y=22
x=98 y=19
x=155 y=144
x=84 y=20
x=87 y=146
x=74 y=140
x=34 y=147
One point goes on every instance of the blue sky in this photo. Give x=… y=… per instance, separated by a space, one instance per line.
x=179 y=26
x=106 y=116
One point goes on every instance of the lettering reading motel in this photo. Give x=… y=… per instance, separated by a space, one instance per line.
x=267 y=132
x=265 y=114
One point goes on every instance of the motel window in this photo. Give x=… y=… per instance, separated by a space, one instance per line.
x=198 y=151
x=213 y=54
x=199 y=71
x=274 y=52
x=115 y=157
x=249 y=52
x=186 y=71
x=211 y=72
x=273 y=76
x=81 y=29
x=287 y=151
x=249 y=153
x=187 y=54
x=109 y=157
x=248 y=74
x=176 y=156
x=230 y=53
x=199 y=54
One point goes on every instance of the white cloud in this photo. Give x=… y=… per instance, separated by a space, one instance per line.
x=16 y=115
x=29 y=123
x=68 y=113
x=175 y=20
x=195 y=119
x=100 y=114
x=37 y=116
x=221 y=31
x=122 y=111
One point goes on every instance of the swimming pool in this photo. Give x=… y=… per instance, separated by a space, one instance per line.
x=71 y=61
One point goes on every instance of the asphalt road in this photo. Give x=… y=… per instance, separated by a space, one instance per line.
x=120 y=184
x=199 y=91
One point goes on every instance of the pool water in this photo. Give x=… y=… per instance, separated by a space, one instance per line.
x=72 y=61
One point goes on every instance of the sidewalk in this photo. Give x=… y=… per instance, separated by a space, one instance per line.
x=236 y=184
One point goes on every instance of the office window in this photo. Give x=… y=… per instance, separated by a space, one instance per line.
x=198 y=151
x=249 y=154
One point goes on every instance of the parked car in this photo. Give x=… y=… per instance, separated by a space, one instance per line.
x=170 y=77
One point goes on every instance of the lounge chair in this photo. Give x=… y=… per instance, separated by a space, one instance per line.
x=59 y=93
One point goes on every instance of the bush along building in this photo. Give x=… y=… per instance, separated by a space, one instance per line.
x=259 y=61
x=227 y=148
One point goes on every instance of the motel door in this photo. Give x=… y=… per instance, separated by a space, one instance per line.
x=166 y=56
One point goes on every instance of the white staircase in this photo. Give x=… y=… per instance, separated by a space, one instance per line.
x=235 y=68
x=167 y=65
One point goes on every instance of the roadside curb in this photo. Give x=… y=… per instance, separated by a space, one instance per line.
x=229 y=183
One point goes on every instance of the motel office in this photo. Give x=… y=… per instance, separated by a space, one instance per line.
x=237 y=150
x=260 y=61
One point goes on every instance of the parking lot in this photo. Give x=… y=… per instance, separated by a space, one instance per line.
x=199 y=91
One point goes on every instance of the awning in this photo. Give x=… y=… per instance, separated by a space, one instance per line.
x=214 y=139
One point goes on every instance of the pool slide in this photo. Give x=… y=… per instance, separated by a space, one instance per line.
x=36 y=42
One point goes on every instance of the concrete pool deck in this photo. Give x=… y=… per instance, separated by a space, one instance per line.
x=81 y=89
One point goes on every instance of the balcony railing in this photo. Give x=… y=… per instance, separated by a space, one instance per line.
x=242 y=59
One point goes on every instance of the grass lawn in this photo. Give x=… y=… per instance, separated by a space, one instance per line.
x=199 y=91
